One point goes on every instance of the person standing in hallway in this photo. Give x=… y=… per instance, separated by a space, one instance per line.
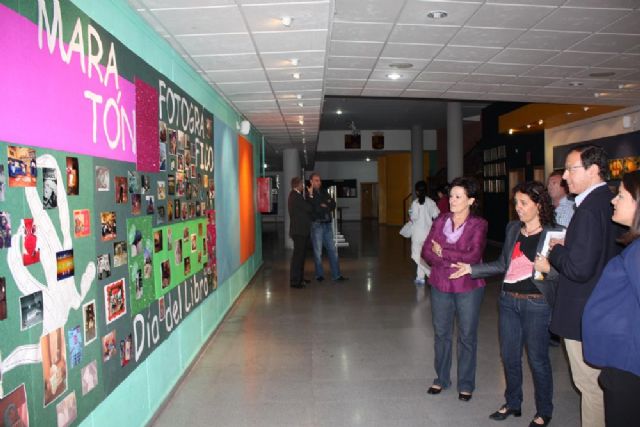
x=443 y=198
x=589 y=244
x=457 y=236
x=422 y=213
x=558 y=190
x=299 y=228
x=525 y=303
x=611 y=337
x=322 y=231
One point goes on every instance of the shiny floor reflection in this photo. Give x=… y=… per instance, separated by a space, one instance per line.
x=358 y=353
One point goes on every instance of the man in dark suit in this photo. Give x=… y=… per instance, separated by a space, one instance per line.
x=299 y=229
x=589 y=244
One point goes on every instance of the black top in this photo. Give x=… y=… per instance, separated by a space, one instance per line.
x=528 y=246
x=322 y=213
x=300 y=214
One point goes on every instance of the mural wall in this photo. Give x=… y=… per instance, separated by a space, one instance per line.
x=107 y=212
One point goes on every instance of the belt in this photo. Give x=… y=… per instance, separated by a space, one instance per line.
x=518 y=295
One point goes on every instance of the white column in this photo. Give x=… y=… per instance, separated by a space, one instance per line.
x=417 y=162
x=455 y=154
x=291 y=168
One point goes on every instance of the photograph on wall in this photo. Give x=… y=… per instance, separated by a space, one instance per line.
x=148 y=264
x=31 y=310
x=125 y=350
x=181 y=140
x=161 y=215
x=151 y=204
x=119 y=254
x=13 y=408
x=109 y=349
x=89 y=321
x=631 y=164
x=89 y=377
x=187 y=265
x=5 y=230
x=30 y=248
x=81 y=223
x=54 y=365
x=65 y=264
x=171 y=186
x=138 y=282
x=121 y=189
x=75 y=346
x=136 y=242
x=73 y=176
x=115 y=301
x=21 y=163
x=161 y=308
x=104 y=266
x=180 y=162
x=136 y=204
x=170 y=210
x=145 y=184
x=49 y=188
x=178 y=251
x=157 y=240
x=2 y=183
x=166 y=273
x=163 y=157
x=108 y=225
x=162 y=190
x=67 y=410
x=134 y=186
x=173 y=141
x=3 y=298
x=102 y=178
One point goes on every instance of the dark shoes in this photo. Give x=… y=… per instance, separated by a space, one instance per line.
x=319 y=279
x=545 y=421
x=434 y=390
x=298 y=285
x=504 y=412
x=306 y=281
x=341 y=279
x=465 y=397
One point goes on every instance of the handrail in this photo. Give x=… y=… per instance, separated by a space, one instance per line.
x=405 y=210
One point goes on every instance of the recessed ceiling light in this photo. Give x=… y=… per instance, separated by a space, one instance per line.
x=301 y=121
x=576 y=84
x=296 y=76
x=569 y=113
x=540 y=122
x=437 y=14
x=529 y=126
x=286 y=21
x=603 y=74
x=510 y=131
x=265 y=165
x=585 y=108
x=394 y=76
x=299 y=96
x=367 y=159
x=338 y=111
x=401 y=65
x=295 y=61
x=300 y=104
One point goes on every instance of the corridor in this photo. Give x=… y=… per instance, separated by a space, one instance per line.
x=357 y=353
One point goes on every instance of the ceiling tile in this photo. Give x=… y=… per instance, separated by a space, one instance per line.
x=586 y=83
x=523 y=56
x=515 y=90
x=485 y=78
x=428 y=76
x=283 y=59
x=342 y=91
x=575 y=59
x=528 y=2
x=244 y=87
x=382 y=92
x=355 y=84
x=472 y=87
x=387 y=84
x=370 y=49
x=306 y=16
x=459 y=53
x=571 y=19
x=225 y=19
x=418 y=64
x=508 y=16
x=550 y=71
x=422 y=51
x=451 y=94
x=502 y=69
x=622 y=61
x=618 y=72
x=405 y=75
x=237 y=75
x=356 y=31
x=626 y=25
x=215 y=44
x=452 y=66
x=430 y=86
x=184 y=4
x=550 y=40
x=351 y=62
x=286 y=75
x=367 y=10
x=345 y=73
x=529 y=81
x=488 y=37
x=609 y=43
x=298 y=85
x=429 y=34
x=291 y=41
x=266 y=95
x=229 y=62
x=609 y=4
x=411 y=93
x=416 y=12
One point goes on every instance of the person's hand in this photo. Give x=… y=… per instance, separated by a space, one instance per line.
x=554 y=242
x=541 y=264
x=310 y=190
x=462 y=269
x=436 y=248
x=324 y=205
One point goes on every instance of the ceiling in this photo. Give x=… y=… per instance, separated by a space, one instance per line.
x=552 y=51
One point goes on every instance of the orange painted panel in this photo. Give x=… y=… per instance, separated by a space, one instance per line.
x=246 y=197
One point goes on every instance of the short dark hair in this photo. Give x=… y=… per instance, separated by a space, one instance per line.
x=313 y=174
x=295 y=181
x=563 y=182
x=538 y=194
x=631 y=181
x=471 y=188
x=594 y=155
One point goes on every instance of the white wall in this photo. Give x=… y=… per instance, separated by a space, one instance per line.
x=361 y=171
x=585 y=130
x=394 y=140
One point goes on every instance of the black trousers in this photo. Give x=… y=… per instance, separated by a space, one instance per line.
x=621 y=397
x=296 y=271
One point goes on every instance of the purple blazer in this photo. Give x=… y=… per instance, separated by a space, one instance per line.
x=468 y=249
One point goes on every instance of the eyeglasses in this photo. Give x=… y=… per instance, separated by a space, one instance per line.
x=572 y=168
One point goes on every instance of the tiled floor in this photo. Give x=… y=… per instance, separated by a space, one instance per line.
x=358 y=353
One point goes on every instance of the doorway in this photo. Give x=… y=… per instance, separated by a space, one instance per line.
x=369 y=200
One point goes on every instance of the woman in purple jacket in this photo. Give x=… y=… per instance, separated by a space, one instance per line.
x=456 y=236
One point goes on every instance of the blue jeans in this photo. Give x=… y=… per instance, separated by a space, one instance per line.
x=322 y=235
x=526 y=323
x=465 y=307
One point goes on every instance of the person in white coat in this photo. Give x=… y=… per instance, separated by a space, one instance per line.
x=422 y=213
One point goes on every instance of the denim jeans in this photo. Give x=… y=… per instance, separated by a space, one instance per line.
x=322 y=235
x=525 y=322
x=445 y=308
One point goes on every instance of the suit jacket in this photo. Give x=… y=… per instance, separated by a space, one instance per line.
x=589 y=244
x=322 y=213
x=468 y=249
x=300 y=214
x=500 y=266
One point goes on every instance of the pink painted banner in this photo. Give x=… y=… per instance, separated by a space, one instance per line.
x=147 y=127
x=44 y=100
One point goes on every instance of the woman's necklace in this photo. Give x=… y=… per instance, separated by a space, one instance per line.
x=528 y=233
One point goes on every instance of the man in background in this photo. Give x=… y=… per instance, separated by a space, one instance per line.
x=299 y=228
x=321 y=229
x=558 y=190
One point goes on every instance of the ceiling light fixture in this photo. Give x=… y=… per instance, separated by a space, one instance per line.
x=367 y=159
x=529 y=126
x=437 y=14
x=576 y=84
x=401 y=65
x=393 y=76
x=301 y=121
x=585 y=108
x=569 y=113
x=300 y=104
x=265 y=165
x=296 y=76
x=339 y=112
x=299 y=96
x=510 y=131
x=286 y=21
x=295 y=62
x=540 y=122
x=602 y=74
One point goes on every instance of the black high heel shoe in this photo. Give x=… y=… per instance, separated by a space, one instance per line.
x=501 y=416
x=434 y=390
x=545 y=421
x=465 y=397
